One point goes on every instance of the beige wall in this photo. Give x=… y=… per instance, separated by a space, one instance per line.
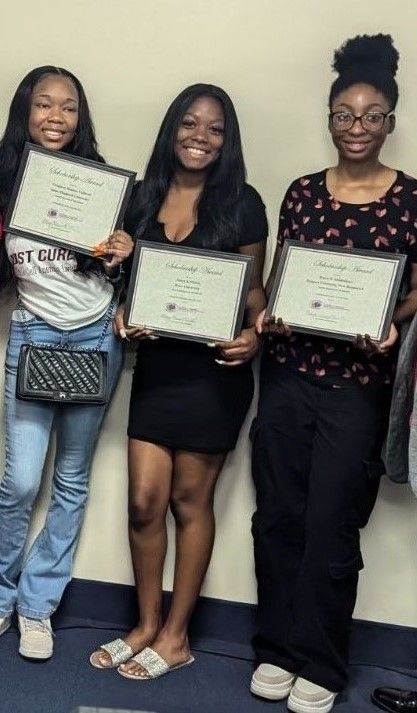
x=133 y=57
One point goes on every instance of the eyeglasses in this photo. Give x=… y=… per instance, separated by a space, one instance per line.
x=370 y=121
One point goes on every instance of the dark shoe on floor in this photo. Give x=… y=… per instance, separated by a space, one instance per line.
x=395 y=700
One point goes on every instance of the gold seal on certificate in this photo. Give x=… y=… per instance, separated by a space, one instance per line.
x=187 y=293
x=336 y=291
x=66 y=200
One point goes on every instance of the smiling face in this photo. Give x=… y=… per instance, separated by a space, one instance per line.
x=200 y=135
x=53 y=116
x=357 y=143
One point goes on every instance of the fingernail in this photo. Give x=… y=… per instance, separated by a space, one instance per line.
x=211 y=344
x=122 y=333
x=220 y=361
x=153 y=336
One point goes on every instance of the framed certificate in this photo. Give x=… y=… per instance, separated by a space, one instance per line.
x=336 y=291
x=187 y=293
x=66 y=200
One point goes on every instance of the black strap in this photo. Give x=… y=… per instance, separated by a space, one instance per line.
x=54 y=346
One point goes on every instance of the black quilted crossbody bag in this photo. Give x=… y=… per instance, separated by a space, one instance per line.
x=64 y=375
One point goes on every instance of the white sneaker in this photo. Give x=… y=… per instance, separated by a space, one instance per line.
x=36 y=640
x=271 y=682
x=5 y=622
x=308 y=697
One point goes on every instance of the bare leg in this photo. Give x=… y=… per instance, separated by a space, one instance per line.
x=150 y=480
x=195 y=476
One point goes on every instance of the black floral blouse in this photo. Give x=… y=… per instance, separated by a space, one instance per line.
x=310 y=213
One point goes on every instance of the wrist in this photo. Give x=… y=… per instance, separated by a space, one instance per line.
x=114 y=274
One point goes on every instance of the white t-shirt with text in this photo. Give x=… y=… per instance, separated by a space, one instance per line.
x=50 y=288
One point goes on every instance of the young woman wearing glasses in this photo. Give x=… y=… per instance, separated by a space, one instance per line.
x=323 y=403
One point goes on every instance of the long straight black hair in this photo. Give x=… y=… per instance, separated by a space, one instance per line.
x=217 y=206
x=16 y=133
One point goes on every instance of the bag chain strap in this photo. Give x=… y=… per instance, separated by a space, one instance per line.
x=55 y=346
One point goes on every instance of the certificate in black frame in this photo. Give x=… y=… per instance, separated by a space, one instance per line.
x=175 y=250
x=387 y=309
x=64 y=159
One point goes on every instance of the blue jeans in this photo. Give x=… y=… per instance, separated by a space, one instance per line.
x=35 y=585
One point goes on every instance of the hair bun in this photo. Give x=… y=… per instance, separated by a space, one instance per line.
x=370 y=50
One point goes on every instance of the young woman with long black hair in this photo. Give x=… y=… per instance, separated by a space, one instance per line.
x=324 y=402
x=66 y=299
x=188 y=400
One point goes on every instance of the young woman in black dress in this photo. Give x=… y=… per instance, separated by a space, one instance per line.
x=324 y=402
x=188 y=399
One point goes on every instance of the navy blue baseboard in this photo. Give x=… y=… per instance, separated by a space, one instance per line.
x=224 y=627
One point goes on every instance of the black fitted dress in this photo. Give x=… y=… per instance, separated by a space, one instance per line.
x=181 y=398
